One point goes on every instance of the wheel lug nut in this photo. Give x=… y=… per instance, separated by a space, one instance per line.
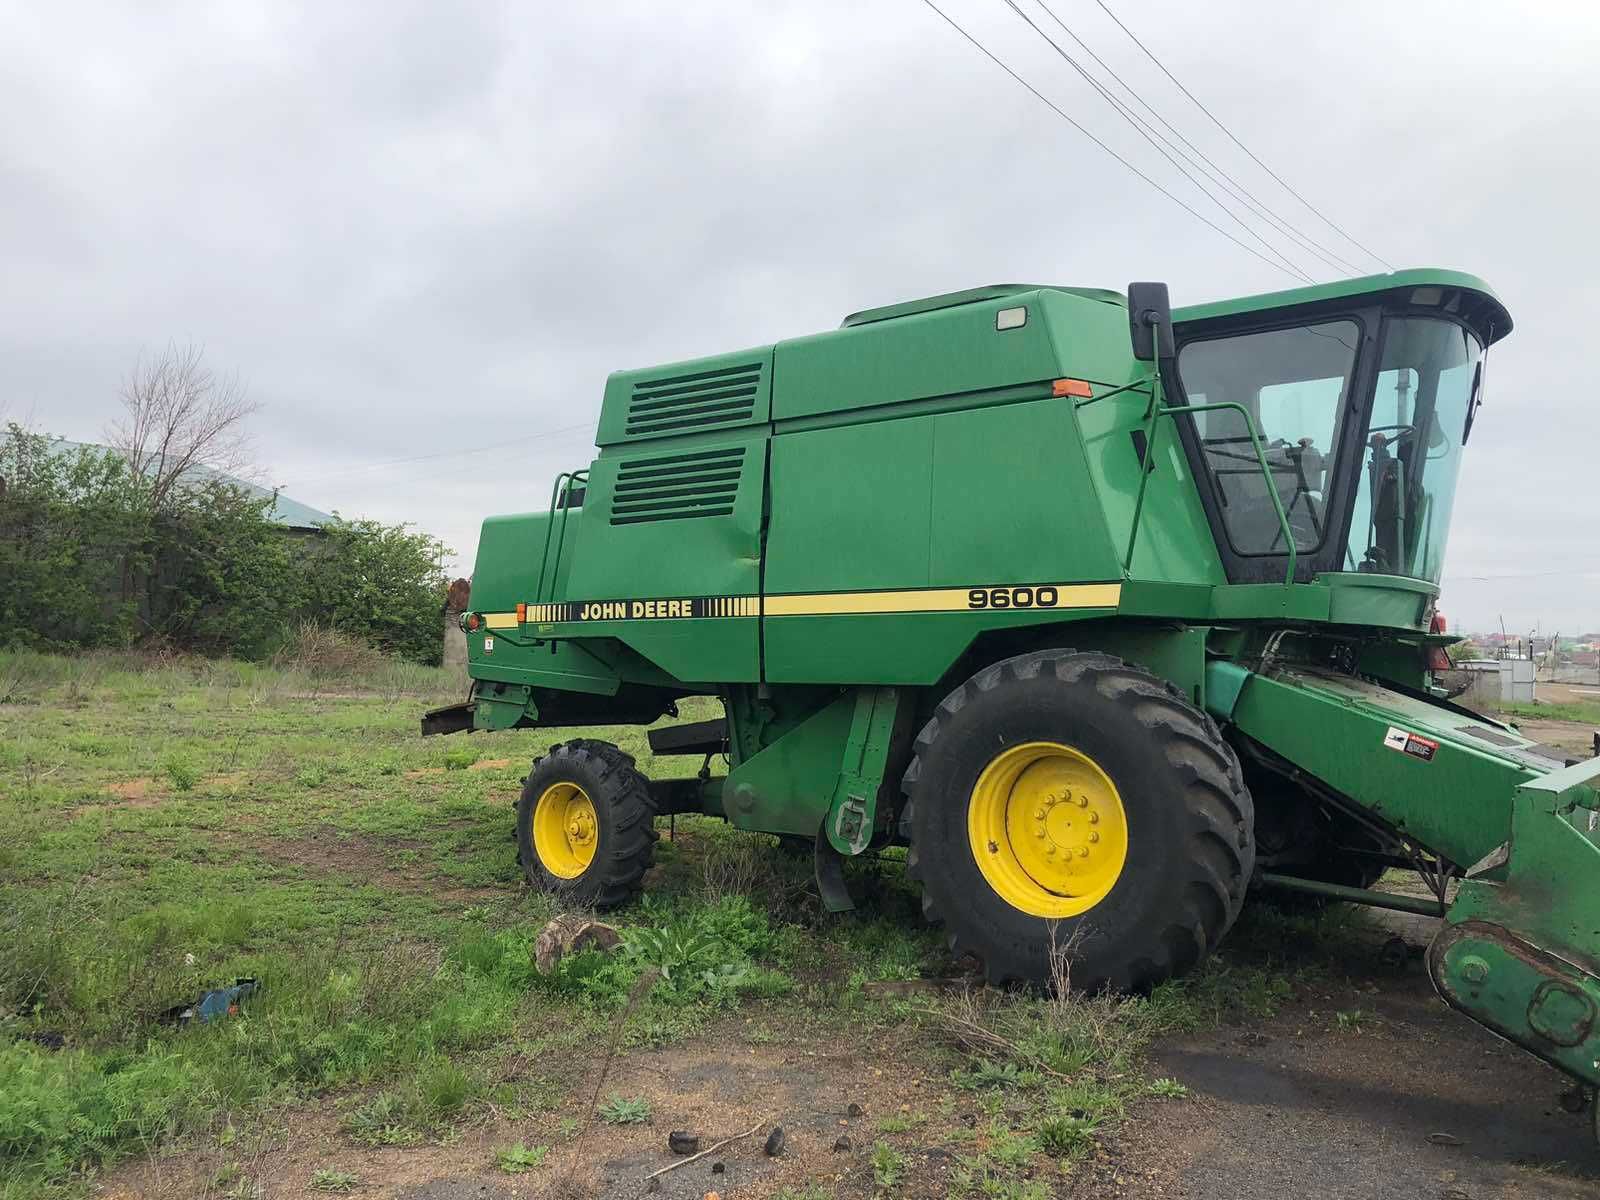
x=1083 y=802
x=1083 y=852
x=1094 y=837
x=1038 y=814
x=1038 y=833
x=1094 y=818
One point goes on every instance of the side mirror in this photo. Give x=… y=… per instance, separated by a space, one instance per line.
x=1150 y=321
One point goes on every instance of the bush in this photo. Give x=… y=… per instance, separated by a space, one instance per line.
x=322 y=653
x=93 y=559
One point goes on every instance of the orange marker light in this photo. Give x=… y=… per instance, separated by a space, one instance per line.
x=522 y=612
x=1072 y=387
x=474 y=620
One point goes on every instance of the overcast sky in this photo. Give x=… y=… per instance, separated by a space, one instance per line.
x=418 y=229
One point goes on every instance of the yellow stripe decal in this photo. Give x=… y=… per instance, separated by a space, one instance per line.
x=979 y=599
x=1003 y=598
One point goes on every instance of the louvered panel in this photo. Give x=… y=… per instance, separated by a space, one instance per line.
x=694 y=401
x=677 y=486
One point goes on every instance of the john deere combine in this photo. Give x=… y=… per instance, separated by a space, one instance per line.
x=1110 y=614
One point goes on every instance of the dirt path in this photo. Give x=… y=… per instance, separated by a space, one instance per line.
x=1407 y=1100
x=1399 y=1098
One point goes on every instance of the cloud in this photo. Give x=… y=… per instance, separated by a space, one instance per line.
x=415 y=229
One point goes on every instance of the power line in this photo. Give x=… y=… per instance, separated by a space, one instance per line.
x=1326 y=220
x=1227 y=181
x=1048 y=103
x=1123 y=112
x=398 y=462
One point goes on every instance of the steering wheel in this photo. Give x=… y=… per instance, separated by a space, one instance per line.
x=1399 y=432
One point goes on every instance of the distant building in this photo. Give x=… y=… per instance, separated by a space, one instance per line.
x=291 y=514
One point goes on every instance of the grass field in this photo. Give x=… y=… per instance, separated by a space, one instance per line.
x=174 y=825
x=1581 y=711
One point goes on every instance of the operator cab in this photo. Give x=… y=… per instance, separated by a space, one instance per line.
x=1362 y=399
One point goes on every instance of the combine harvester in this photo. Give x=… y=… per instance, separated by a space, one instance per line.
x=1110 y=614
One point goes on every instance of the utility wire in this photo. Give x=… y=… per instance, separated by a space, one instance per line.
x=1051 y=105
x=1123 y=112
x=1205 y=163
x=1326 y=220
x=397 y=462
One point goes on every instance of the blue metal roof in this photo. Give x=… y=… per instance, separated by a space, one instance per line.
x=291 y=514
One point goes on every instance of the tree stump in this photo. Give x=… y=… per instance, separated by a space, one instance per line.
x=568 y=935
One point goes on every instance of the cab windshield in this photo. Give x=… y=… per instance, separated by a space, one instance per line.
x=1426 y=381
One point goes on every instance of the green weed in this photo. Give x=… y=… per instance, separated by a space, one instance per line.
x=888 y=1166
x=1067 y=1136
x=519 y=1158
x=620 y=1111
x=381 y=1122
x=1349 y=1020
x=901 y=1122
x=1168 y=1089
x=182 y=773
x=329 y=1180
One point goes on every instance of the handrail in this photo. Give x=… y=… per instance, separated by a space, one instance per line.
x=572 y=479
x=1153 y=427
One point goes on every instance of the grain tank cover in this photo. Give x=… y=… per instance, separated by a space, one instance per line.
x=992 y=291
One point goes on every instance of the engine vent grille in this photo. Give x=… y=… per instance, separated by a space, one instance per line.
x=702 y=400
x=675 y=486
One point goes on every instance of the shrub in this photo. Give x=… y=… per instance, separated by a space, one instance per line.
x=93 y=558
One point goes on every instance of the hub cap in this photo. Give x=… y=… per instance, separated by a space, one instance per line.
x=565 y=830
x=1047 y=828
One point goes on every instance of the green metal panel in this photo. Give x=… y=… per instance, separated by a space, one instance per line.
x=852 y=507
x=993 y=291
x=1174 y=652
x=635 y=545
x=952 y=350
x=724 y=391
x=1523 y=955
x=1008 y=485
x=853 y=816
x=1339 y=729
x=788 y=786
x=1176 y=545
x=926 y=354
x=1368 y=599
x=518 y=657
x=508 y=558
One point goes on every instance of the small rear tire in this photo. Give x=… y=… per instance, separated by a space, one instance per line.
x=586 y=825
x=1060 y=800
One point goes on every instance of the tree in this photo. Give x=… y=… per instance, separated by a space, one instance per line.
x=180 y=416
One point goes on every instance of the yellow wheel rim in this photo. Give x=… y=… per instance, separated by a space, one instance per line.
x=1048 y=830
x=565 y=830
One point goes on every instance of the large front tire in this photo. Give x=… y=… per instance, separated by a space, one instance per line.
x=1060 y=799
x=586 y=825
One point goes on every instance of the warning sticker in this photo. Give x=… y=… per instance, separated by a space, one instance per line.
x=1413 y=744
x=1421 y=747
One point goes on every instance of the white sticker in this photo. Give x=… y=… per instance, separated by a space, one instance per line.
x=1396 y=738
x=488 y=645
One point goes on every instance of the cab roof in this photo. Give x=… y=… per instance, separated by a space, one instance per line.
x=1464 y=295
x=1456 y=292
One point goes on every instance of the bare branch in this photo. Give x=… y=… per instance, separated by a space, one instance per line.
x=180 y=415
